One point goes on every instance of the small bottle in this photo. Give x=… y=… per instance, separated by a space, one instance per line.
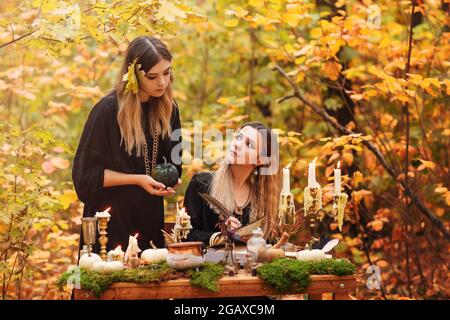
x=255 y=243
x=248 y=262
x=133 y=261
x=254 y=274
x=84 y=250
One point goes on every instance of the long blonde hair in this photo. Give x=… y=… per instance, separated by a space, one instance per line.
x=264 y=188
x=148 y=51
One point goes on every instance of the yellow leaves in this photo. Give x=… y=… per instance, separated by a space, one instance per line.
x=83 y=92
x=278 y=131
x=445 y=194
x=388 y=121
x=231 y=23
x=357 y=179
x=289 y=139
x=345 y=142
x=240 y=12
x=56 y=107
x=60 y=163
x=256 y=3
x=376 y=225
x=328 y=27
x=400 y=97
x=293 y=134
x=358 y=195
x=59 y=21
x=334 y=46
x=426 y=165
x=195 y=18
x=169 y=12
x=441 y=190
x=223 y=100
x=340 y=3
x=45 y=5
x=293 y=141
x=291 y=19
x=348 y=158
x=415 y=78
x=427 y=81
x=24 y=94
x=316 y=33
x=398 y=87
x=385 y=43
x=425 y=84
x=331 y=69
x=357 y=96
x=377 y=72
x=447 y=86
x=67 y=198
x=130 y=77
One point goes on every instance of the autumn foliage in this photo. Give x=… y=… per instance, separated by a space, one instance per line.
x=361 y=82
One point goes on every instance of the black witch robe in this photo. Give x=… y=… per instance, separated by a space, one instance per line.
x=203 y=218
x=133 y=210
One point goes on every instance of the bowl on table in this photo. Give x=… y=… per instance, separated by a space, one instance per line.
x=186 y=255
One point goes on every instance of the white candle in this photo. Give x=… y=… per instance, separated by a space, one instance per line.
x=103 y=214
x=118 y=254
x=312 y=183
x=286 y=180
x=133 y=247
x=337 y=179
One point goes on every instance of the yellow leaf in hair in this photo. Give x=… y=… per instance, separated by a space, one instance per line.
x=131 y=78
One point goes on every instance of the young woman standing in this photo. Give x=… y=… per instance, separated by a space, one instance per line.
x=126 y=134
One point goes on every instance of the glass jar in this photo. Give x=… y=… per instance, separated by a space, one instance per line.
x=133 y=261
x=255 y=243
x=84 y=251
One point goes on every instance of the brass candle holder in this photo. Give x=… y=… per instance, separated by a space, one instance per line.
x=103 y=239
x=103 y=218
x=313 y=207
x=286 y=209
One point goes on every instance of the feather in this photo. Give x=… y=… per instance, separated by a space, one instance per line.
x=243 y=233
x=330 y=245
x=215 y=205
x=168 y=237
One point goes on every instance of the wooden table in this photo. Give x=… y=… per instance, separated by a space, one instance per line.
x=242 y=285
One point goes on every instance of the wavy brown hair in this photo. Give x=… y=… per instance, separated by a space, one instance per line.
x=148 y=51
x=264 y=186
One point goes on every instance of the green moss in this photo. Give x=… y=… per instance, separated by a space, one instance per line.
x=93 y=281
x=290 y=275
x=338 y=267
x=97 y=282
x=207 y=277
x=285 y=275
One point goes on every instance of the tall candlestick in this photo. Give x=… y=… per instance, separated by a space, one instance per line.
x=312 y=183
x=337 y=179
x=286 y=180
x=103 y=218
